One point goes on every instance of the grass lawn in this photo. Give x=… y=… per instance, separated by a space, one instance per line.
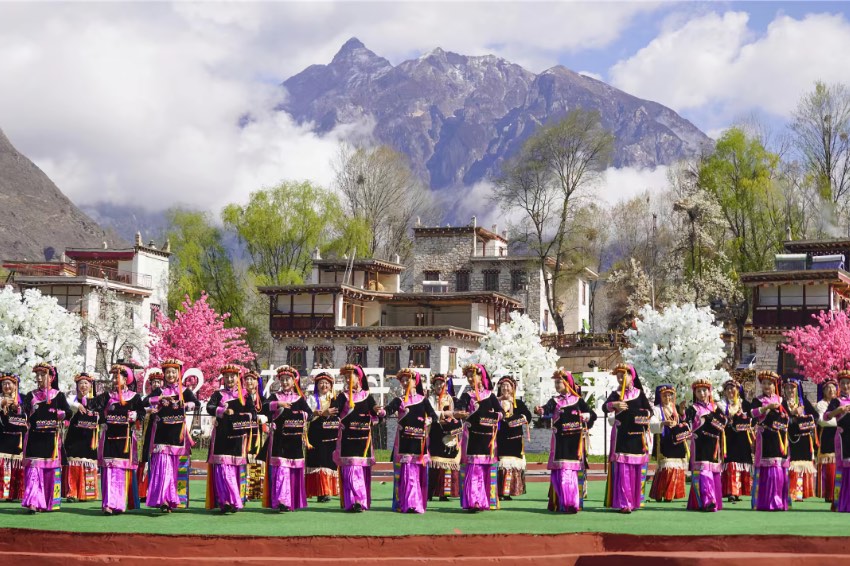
x=526 y=514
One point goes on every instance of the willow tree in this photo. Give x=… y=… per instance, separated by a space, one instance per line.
x=543 y=184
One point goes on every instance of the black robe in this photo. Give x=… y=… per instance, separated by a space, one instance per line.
x=321 y=436
x=444 y=437
x=707 y=435
x=739 y=446
x=826 y=435
x=632 y=424
x=13 y=429
x=169 y=421
x=287 y=433
x=774 y=431
x=673 y=440
x=356 y=426
x=843 y=423
x=82 y=429
x=412 y=427
x=45 y=420
x=118 y=423
x=567 y=427
x=482 y=422
x=231 y=431
x=801 y=432
x=509 y=439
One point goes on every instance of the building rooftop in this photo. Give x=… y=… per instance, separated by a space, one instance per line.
x=833 y=276
x=802 y=246
x=482 y=233
x=376 y=265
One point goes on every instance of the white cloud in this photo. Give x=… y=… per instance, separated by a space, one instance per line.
x=627 y=182
x=716 y=64
x=140 y=103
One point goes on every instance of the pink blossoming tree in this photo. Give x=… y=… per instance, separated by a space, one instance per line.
x=198 y=337
x=823 y=348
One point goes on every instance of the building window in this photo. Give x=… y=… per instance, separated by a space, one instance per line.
x=491 y=280
x=357 y=355
x=519 y=280
x=431 y=275
x=323 y=357
x=583 y=293
x=420 y=356
x=389 y=359
x=421 y=319
x=462 y=281
x=296 y=356
x=546 y=320
x=154 y=310
x=129 y=312
x=452 y=360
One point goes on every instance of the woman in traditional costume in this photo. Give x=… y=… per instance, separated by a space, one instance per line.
x=444 y=442
x=802 y=440
x=256 y=467
x=672 y=438
x=171 y=443
x=45 y=408
x=13 y=431
x=770 y=456
x=839 y=409
x=629 y=414
x=738 y=464
x=118 y=451
x=288 y=414
x=571 y=420
x=708 y=426
x=354 y=453
x=410 y=449
x=155 y=381
x=825 y=486
x=510 y=442
x=81 y=441
x=234 y=413
x=482 y=411
x=321 y=473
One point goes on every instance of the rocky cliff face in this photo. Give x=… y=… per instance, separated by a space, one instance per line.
x=37 y=219
x=458 y=118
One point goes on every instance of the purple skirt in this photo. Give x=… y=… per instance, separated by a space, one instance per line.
x=476 y=487
x=706 y=490
x=287 y=487
x=356 y=486
x=565 y=490
x=226 y=478
x=842 y=502
x=772 y=489
x=412 y=487
x=38 y=488
x=113 y=483
x=162 y=481
x=627 y=487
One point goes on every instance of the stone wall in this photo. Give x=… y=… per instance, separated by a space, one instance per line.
x=444 y=253
x=767 y=358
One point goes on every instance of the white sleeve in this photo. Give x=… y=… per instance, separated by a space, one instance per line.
x=655 y=425
x=821 y=407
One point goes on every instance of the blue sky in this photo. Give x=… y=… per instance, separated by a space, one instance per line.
x=139 y=103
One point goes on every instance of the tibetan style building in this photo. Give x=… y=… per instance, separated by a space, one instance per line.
x=808 y=278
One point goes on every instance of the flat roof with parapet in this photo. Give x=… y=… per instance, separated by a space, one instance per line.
x=835 y=245
x=455 y=230
x=356 y=292
x=366 y=264
x=831 y=276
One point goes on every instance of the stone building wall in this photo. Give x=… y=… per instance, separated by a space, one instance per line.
x=444 y=253
x=767 y=358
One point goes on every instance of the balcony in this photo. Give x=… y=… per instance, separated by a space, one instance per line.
x=80 y=269
x=601 y=340
x=283 y=322
x=785 y=316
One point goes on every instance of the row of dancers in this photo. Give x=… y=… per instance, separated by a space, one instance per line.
x=289 y=446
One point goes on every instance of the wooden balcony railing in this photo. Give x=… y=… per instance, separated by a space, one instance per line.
x=281 y=322
x=785 y=316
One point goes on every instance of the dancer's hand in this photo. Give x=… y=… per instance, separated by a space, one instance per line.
x=620 y=405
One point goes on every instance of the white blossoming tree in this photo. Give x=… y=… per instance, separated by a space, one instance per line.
x=677 y=346
x=515 y=348
x=34 y=328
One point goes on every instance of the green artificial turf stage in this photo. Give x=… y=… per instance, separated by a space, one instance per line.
x=526 y=514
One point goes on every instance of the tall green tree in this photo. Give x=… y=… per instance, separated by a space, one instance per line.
x=280 y=228
x=544 y=184
x=201 y=263
x=741 y=176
